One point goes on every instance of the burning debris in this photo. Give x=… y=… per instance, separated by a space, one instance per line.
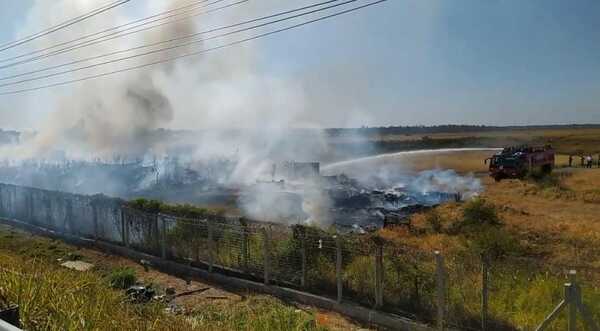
x=297 y=193
x=287 y=192
x=353 y=204
x=369 y=207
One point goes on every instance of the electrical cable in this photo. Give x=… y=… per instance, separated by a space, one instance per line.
x=161 y=42
x=186 y=55
x=62 y=25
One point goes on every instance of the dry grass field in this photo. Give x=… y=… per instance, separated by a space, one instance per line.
x=461 y=162
x=547 y=227
x=565 y=141
x=465 y=161
x=558 y=219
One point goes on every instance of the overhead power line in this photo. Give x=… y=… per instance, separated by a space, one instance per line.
x=118 y=34
x=62 y=25
x=181 y=45
x=189 y=5
x=189 y=36
x=186 y=55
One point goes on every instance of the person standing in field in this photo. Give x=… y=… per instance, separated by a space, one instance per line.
x=570 y=161
x=588 y=160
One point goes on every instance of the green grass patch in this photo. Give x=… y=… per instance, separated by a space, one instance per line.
x=51 y=297
x=122 y=278
x=181 y=210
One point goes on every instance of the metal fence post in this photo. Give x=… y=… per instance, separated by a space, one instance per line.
x=95 y=212
x=440 y=289
x=163 y=236
x=570 y=298
x=267 y=255
x=572 y=317
x=586 y=315
x=379 y=275
x=125 y=226
x=338 y=268
x=211 y=246
x=29 y=211
x=30 y=206
x=2 y=214
x=48 y=212
x=68 y=225
x=244 y=256
x=485 y=264
x=303 y=257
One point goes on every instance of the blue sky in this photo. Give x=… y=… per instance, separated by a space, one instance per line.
x=408 y=62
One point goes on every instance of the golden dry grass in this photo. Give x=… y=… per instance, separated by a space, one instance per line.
x=466 y=161
x=560 y=221
x=461 y=162
x=556 y=223
x=566 y=141
x=54 y=298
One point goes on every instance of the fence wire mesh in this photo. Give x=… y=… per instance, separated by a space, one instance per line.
x=320 y=263
x=231 y=247
x=358 y=267
x=524 y=291
x=463 y=283
x=286 y=256
x=410 y=282
x=186 y=240
x=141 y=231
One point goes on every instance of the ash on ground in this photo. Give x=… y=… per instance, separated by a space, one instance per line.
x=306 y=196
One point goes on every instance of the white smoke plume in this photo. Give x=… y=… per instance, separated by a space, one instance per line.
x=398 y=170
x=114 y=115
x=237 y=111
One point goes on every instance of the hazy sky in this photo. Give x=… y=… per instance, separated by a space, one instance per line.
x=409 y=62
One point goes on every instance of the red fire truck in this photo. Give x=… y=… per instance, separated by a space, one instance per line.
x=519 y=161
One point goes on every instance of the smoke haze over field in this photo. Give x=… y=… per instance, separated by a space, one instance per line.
x=409 y=63
x=405 y=63
x=115 y=116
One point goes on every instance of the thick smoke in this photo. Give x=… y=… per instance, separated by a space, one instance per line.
x=115 y=116
x=243 y=119
x=401 y=170
x=100 y=118
x=240 y=114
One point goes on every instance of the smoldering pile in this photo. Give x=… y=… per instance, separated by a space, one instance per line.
x=359 y=206
x=352 y=204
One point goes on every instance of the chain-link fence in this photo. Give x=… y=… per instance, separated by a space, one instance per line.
x=410 y=282
x=141 y=231
x=464 y=290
